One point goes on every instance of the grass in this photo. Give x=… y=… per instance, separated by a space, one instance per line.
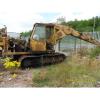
x=94 y=52
x=75 y=71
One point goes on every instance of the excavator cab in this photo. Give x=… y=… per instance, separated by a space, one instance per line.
x=45 y=36
x=40 y=36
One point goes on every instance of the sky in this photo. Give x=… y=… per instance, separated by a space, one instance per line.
x=20 y=15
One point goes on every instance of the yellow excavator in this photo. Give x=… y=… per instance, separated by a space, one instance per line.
x=39 y=50
x=3 y=39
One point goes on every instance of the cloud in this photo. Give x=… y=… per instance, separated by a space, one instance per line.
x=20 y=22
x=20 y=15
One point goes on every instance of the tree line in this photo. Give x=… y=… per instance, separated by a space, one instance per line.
x=79 y=25
x=84 y=25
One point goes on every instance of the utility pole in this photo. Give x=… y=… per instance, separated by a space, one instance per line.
x=93 y=25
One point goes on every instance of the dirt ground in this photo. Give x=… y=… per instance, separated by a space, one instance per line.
x=21 y=79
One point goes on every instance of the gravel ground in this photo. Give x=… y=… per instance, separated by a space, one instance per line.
x=23 y=78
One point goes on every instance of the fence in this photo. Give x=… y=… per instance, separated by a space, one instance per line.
x=70 y=43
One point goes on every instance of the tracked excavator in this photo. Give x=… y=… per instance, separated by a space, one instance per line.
x=39 y=50
x=3 y=39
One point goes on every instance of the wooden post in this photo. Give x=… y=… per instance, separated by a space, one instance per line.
x=59 y=45
x=80 y=44
x=75 y=48
x=97 y=36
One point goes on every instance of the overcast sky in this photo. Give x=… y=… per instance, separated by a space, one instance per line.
x=20 y=15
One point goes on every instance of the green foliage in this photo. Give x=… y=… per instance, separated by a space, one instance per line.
x=98 y=28
x=94 y=52
x=84 y=25
x=26 y=34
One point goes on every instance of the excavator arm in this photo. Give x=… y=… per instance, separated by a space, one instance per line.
x=61 y=31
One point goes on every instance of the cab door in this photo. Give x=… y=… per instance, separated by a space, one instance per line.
x=38 y=38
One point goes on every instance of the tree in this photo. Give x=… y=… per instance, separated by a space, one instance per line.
x=84 y=25
x=26 y=34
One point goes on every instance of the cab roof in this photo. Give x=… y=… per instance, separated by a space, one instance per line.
x=45 y=24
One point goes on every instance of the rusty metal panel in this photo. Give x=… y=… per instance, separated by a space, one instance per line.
x=37 y=45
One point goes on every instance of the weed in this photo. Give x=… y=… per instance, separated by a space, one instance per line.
x=94 y=52
x=76 y=71
x=10 y=65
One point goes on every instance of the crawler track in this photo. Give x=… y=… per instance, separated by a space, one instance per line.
x=41 y=60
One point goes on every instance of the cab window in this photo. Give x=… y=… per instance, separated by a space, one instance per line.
x=39 y=32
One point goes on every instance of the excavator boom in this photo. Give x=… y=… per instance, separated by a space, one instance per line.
x=62 y=31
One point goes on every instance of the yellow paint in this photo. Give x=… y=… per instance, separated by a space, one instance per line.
x=37 y=45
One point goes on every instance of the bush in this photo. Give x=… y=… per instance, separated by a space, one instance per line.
x=94 y=52
x=83 y=51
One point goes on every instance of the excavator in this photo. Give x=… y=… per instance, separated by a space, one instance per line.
x=39 y=50
x=3 y=39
